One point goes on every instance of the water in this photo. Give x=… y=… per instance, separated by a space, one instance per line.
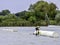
x=24 y=36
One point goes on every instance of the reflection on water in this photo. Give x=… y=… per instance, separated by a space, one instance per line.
x=24 y=36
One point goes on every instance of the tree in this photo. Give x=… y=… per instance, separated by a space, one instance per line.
x=32 y=19
x=22 y=13
x=58 y=11
x=57 y=18
x=41 y=8
x=52 y=11
x=5 y=12
x=10 y=16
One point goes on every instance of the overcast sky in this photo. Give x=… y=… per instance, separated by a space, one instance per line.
x=19 y=5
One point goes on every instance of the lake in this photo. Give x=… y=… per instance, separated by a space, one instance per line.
x=25 y=36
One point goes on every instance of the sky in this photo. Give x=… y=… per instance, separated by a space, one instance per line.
x=15 y=6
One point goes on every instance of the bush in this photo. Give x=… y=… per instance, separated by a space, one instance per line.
x=23 y=23
x=57 y=17
x=14 y=22
x=43 y=23
x=37 y=23
x=58 y=23
x=40 y=23
x=53 y=22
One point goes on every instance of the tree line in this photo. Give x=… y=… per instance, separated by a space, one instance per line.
x=39 y=13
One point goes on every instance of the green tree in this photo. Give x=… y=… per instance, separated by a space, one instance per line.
x=57 y=18
x=10 y=16
x=52 y=11
x=32 y=19
x=41 y=8
x=22 y=13
x=5 y=12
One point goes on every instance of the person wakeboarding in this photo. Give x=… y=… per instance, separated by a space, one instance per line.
x=37 y=30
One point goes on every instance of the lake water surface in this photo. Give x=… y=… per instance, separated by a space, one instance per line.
x=25 y=36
